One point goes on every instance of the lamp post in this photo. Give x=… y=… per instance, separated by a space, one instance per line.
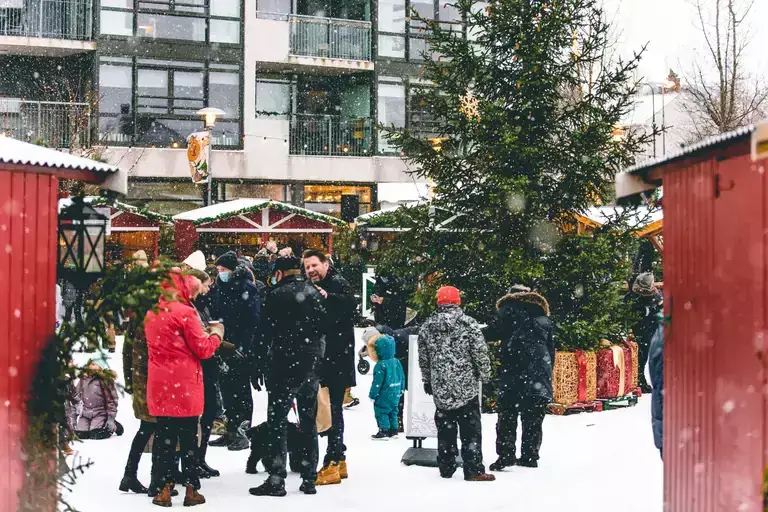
x=653 y=121
x=209 y=115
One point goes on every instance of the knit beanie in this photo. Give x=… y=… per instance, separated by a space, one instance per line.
x=196 y=260
x=644 y=284
x=228 y=260
x=448 y=295
x=284 y=263
x=369 y=333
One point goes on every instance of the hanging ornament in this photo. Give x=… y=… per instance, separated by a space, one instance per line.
x=469 y=106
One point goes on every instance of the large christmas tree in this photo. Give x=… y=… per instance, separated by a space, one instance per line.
x=523 y=106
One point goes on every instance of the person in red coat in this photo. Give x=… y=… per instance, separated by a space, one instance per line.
x=176 y=344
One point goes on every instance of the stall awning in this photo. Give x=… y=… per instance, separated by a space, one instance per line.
x=16 y=155
x=646 y=176
x=238 y=217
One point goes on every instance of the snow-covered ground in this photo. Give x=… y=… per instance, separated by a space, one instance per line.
x=601 y=462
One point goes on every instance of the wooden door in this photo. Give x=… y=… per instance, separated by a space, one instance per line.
x=738 y=306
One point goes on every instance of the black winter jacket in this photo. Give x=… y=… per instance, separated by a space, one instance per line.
x=293 y=329
x=238 y=304
x=338 y=367
x=656 y=369
x=527 y=349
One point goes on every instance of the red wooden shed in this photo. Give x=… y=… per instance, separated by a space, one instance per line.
x=29 y=186
x=716 y=279
x=245 y=225
x=131 y=228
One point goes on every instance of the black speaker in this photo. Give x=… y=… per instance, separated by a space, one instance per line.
x=350 y=207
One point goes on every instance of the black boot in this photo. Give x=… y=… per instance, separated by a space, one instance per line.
x=527 y=462
x=502 y=463
x=268 y=489
x=132 y=484
x=308 y=487
x=238 y=442
x=204 y=469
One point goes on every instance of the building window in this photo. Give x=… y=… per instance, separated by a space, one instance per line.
x=391 y=108
x=273 y=97
x=211 y=21
x=327 y=198
x=400 y=37
x=160 y=108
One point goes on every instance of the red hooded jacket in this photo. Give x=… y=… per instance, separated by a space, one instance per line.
x=176 y=343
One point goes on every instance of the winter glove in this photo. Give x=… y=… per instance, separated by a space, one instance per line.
x=226 y=349
x=217 y=329
x=428 y=388
x=257 y=381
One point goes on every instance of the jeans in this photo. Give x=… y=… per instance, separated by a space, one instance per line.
x=531 y=412
x=281 y=396
x=169 y=432
x=236 y=391
x=336 y=448
x=464 y=422
x=140 y=440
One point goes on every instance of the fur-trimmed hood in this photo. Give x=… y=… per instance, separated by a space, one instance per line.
x=532 y=298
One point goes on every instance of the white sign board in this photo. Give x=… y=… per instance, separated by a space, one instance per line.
x=369 y=279
x=107 y=212
x=420 y=408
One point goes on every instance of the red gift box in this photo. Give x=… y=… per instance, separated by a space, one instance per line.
x=614 y=371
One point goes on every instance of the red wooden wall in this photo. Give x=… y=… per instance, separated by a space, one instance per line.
x=714 y=273
x=28 y=254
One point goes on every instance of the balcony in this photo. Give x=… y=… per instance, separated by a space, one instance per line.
x=55 y=124
x=330 y=38
x=330 y=136
x=46 y=27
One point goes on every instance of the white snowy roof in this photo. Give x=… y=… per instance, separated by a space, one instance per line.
x=362 y=219
x=402 y=192
x=643 y=217
x=230 y=208
x=103 y=201
x=16 y=152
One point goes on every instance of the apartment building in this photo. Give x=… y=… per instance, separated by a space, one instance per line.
x=303 y=84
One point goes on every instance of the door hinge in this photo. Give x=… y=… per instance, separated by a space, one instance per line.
x=719 y=187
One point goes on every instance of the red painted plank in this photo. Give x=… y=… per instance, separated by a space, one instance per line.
x=6 y=495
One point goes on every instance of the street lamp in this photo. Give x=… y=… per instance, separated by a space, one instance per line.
x=82 y=232
x=653 y=106
x=209 y=115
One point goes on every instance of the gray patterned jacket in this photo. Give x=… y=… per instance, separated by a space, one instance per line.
x=453 y=357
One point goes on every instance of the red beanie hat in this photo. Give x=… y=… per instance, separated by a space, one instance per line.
x=448 y=295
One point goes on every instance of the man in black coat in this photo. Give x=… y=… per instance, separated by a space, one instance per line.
x=656 y=370
x=389 y=302
x=338 y=368
x=527 y=355
x=236 y=301
x=293 y=342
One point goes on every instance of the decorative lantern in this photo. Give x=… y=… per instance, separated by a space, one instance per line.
x=82 y=232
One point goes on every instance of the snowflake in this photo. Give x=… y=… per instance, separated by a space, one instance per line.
x=469 y=106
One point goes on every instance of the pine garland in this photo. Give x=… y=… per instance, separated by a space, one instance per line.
x=277 y=206
x=125 y=207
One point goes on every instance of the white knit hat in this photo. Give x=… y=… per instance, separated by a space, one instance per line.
x=196 y=260
x=369 y=333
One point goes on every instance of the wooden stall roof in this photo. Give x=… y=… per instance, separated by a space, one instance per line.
x=238 y=207
x=16 y=155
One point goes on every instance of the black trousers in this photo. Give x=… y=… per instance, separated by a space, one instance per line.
x=463 y=422
x=140 y=440
x=531 y=412
x=169 y=432
x=643 y=348
x=336 y=451
x=210 y=411
x=236 y=392
x=281 y=396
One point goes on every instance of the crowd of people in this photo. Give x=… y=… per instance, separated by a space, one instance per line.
x=286 y=324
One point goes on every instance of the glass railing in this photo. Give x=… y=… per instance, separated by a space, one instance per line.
x=56 y=19
x=330 y=135
x=330 y=38
x=54 y=124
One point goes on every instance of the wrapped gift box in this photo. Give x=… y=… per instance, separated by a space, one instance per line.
x=575 y=377
x=614 y=370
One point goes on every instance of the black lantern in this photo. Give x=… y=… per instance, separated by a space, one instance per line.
x=82 y=232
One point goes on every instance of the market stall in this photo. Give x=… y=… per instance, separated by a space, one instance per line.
x=715 y=422
x=130 y=228
x=246 y=225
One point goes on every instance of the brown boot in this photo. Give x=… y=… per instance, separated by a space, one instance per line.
x=329 y=475
x=485 y=477
x=163 y=499
x=193 y=497
x=343 y=470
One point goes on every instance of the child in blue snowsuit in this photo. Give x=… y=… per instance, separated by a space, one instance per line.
x=387 y=387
